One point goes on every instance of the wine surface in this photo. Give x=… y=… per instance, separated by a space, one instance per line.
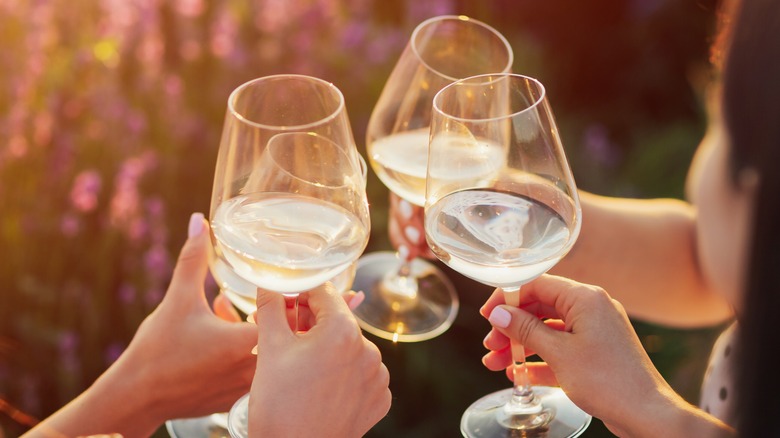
x=285 y=242
x=498 y=238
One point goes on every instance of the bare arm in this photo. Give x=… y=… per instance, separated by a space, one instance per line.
x=644 y=253
x=184 y=361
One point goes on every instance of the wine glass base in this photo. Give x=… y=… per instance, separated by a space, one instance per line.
x=559 y=418
x=238 y=418
x=395 y=317
x=210 y=426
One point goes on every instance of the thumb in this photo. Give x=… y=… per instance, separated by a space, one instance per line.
x=271 y=318
x=525 y=328
x=192 y=265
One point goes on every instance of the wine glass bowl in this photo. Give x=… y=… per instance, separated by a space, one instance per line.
x=267 y=232
x=407 y=299
x=502 y=208
x=242 y=293
x=289 y=209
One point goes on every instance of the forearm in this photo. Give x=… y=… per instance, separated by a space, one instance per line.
x=674 y=417
x=113 y=404
x=643 y=252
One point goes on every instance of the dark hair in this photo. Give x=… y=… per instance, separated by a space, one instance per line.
x=751 y=108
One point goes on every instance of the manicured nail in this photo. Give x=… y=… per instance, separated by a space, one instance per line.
x=413 y=234
x=405 y=208
x=196 y=225
x=251 y=317
x=254 y=350
x=500 y=317
x=356 y=300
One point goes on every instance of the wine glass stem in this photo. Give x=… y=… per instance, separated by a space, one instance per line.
x=295 y=309
x=405 y=269
x=401 y=284
x=522 y=393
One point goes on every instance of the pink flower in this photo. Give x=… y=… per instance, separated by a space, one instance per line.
x=85 y=191
x=190 y=8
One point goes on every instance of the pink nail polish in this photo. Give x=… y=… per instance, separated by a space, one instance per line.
x=356 y=300
x=196 y=225
x=500 y=317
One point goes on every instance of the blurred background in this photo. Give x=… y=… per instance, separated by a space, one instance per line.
x=110 y=116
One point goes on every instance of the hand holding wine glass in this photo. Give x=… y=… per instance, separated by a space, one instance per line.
x=349 y=373
x=502 y=208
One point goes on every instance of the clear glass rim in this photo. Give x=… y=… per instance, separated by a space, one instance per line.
x=270 y=150
x=464 y=18
x=484 y=80
x=328 y=86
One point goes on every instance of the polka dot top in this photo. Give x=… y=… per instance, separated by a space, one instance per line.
x=716 y=391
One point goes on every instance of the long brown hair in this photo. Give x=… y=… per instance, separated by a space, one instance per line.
x=751 y=107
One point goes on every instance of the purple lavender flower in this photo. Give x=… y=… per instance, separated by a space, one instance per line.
x=157 y=263
x=126 y=293
x=70 y=225
x=85 y=191
x=153 y=296
x=68 y=343
x=112 y=352
x=353 y=35
x=598 y=145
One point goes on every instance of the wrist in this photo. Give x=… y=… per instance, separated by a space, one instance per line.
x=126 y=391
x=670 y=415
x=112 y=404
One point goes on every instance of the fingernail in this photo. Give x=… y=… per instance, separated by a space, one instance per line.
x=251 y=317
x=196 y=225
x=412 y=233
x=500 y=317
x=254 y=350
x=356 y=300
x=405 y=208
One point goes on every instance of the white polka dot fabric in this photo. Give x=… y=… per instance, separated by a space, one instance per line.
x=717 y=388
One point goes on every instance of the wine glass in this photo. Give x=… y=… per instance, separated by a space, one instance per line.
x=240 y=291
x=502 y=208
x=411 y=300
x=289 y=209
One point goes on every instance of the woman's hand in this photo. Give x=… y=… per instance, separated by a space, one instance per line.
x=196 y=361
x=183 y=361
x=328 y=381
x=589 y=344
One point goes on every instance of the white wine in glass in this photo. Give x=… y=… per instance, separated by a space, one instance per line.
x=503 y=210
x=411 y=300
x=242 y=293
